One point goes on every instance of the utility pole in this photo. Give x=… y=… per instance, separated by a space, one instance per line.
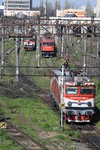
x=62 y=104
x=84 y=58
x=38 y=45
x=67 y=50
x=99 y=72
x=97 y=47
x=17 y=56
x=62 y=41
x=2 y=51
x=98 y=61
x=58 y=41
x=38 y=48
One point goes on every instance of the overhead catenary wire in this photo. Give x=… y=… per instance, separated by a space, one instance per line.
x=48 y=67
x=44 y=27
x=41 y=75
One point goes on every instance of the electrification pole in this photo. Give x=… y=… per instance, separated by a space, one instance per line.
x=99 y=71
x=38 y=45
x=17 y=56
x=67 y=50
x=62 y=41
x=97 y=47
x=38 y=48
x=98 y=61
x=62 y=100
x=2 y=51
x=84 y=58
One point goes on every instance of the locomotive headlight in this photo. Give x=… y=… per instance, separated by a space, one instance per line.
x=69 y=103
x=89 y=104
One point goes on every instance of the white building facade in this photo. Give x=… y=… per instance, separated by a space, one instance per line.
x=77 y=12
x=13 y=7
x=17 y=4
x=98 y=9
x=1 y=10
x=15 y=12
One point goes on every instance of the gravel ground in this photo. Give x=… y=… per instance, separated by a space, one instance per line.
x=81 y=146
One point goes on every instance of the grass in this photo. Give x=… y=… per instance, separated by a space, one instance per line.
x=36 y=114
x=97 y=102
x=35 y=117
x=6 y=143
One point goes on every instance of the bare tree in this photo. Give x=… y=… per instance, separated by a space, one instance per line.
x=57 y=5
x=89 y=10
x=49 y=9
x=67 y=4
x=72 y=5
x=42 y=10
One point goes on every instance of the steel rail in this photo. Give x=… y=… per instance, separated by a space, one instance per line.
x=85 y=135
x=23 y=134
x=98 y=147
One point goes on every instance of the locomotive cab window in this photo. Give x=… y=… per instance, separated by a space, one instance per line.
x=71 y=90
x=87 y=91
x=48 y=44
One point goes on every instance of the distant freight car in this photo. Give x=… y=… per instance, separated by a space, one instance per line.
x=75 y=92
x=29 y=44
x=48 y=47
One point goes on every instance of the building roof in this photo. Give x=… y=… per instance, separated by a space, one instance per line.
x=70 y=15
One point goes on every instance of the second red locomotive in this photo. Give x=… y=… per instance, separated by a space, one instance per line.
x=48 y=47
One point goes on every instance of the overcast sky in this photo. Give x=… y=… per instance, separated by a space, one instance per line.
x=77 y=2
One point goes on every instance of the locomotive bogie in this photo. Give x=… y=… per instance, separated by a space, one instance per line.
x=47 y=54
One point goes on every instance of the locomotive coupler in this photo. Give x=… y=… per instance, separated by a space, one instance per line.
x=79 y=117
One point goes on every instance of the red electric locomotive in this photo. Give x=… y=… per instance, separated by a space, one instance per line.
x=74 y=93
x=48 y=47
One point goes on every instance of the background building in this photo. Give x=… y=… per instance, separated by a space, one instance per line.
x=77 y=12
x=13 y=7
x=17 y=4
x=1 y=10
x=15 y=12
x=98 y=8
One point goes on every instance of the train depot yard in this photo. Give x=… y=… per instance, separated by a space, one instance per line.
x=43 y=90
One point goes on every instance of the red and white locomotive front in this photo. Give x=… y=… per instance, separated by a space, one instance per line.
x=79 y=99
x=73 y=94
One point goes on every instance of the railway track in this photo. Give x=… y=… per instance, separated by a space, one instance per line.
x=43 y=94
x=94 y=139
x=92 y=136
x=23 y=139
x=89 y=135
x=88 y=132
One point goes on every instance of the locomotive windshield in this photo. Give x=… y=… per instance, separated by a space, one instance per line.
x=27 y=39
x=87 y=91
x=47 y=44
x=71 y=90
